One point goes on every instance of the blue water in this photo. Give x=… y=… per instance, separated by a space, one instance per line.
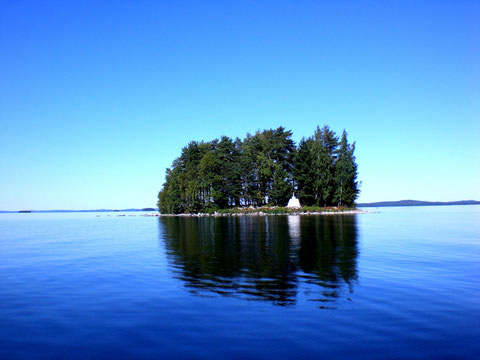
x=402 y=283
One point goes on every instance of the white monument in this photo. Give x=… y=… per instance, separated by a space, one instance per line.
x=293 y=203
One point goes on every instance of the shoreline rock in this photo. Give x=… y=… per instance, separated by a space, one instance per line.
x=262 y=213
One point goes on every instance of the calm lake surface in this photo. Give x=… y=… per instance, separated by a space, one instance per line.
x=403 y=283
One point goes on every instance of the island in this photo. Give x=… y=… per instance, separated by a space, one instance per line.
x=261 y=173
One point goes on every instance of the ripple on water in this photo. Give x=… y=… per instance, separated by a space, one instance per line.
x=398 y=284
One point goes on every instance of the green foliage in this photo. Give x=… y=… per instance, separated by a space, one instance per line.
x=267 y=167
x=315 y=166
x=345 y=176
x=281 y=189
x=169 y=199
x=324 y=153
x=264 y=169
x=304 y=173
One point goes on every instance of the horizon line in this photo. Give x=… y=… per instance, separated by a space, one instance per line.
x=156 y=208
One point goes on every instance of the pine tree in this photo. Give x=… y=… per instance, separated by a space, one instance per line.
x=281 y=188
x=227 y=172
x=262 y=169
x=169 y=201
x=304 y=173
x=265 y=155
x=324 y=153
x=345 y=178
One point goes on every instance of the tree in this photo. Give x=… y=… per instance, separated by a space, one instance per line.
x=345 y=178
x=227 y=172
x=324 y=153
x=265 y=154
x=304 y=173
x=263 y=169
x=314 y=168
x=169 y=199
x=281 y=188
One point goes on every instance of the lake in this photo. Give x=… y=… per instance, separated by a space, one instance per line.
x=400 y=283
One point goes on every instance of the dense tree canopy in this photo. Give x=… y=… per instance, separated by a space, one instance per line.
x=263 y=169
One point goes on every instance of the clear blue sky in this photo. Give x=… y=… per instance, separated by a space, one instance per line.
x=98 y=97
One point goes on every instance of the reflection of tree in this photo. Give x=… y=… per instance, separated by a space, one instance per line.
x=328 y=253
x=262 y=258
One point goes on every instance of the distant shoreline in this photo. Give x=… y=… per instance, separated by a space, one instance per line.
x=401 y=203
x=418 y=203
x=76 y=211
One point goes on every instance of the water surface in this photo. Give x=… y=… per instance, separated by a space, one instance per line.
x=401 y=283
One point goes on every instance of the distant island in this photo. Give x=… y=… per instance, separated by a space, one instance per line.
x=71 y=211
x=279 y=210
x=262 y=170
x=418 y=203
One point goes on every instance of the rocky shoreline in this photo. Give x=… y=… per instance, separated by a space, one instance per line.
x=263 y=213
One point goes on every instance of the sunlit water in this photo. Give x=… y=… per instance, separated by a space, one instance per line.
x=401 y=283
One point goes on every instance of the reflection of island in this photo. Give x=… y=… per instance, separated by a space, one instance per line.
x=275 y=258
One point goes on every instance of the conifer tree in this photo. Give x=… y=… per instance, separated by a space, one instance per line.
x=227 y=172
x=346 y=185
x=264 y=154
x=304 y=172
x=169 y=199
x=261 y=170
x=281 y=188
x=324 y=149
